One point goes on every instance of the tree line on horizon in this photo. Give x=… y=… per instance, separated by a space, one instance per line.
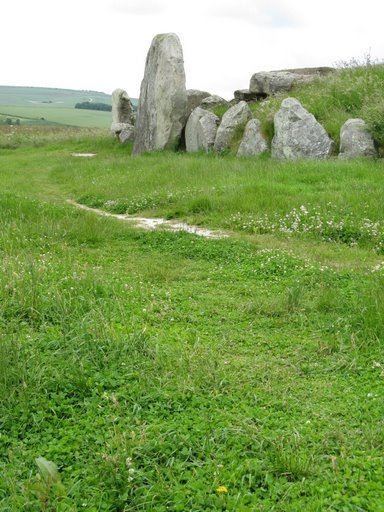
x=90 y=105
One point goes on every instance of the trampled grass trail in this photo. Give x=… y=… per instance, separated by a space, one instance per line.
x=148 y=223
x=158 y=370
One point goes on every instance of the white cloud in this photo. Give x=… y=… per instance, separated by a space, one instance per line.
x=138 y=7
x=102 y=44
x=255 y=12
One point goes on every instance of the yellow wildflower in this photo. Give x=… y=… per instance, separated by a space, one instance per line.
x=222 y=489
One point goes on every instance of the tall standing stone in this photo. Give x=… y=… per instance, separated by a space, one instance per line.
x=122 y=111
x=123 y=117
x=298 y=135
x=163 y=97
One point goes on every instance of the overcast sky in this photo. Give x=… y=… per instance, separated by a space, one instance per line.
x=102 y=44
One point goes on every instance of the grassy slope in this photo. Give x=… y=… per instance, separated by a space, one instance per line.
x=58 y=115
x=30 y=104
x=66 y=98
x=156 y=368
x=355 y=91
x=339 y=201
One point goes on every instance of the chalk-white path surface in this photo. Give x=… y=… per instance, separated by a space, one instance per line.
x=154 y=223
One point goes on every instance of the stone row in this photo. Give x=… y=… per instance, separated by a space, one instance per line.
x=170 y=117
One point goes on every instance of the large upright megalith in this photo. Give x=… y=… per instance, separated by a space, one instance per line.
x=123 y=117
x=163 y=97
x=122 y=111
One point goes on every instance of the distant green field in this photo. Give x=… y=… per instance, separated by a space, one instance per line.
x=65 y=98
x=43 y=105
x=36 y=114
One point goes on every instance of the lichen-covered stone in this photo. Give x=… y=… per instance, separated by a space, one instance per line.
x=163 y=98
x=200 y=131
x=123 y=116
x=213 y=101
x=194 y=99
x=253 y=142
x=356 y=141
x=127 y=134
x=245 y=95
x=233 y=118
x=298 y=135
x=267 y=83
x=122 y=111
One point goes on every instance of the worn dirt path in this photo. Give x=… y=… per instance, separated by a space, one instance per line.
x=154 y=223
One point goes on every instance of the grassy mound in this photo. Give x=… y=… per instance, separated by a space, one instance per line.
x=354 y=91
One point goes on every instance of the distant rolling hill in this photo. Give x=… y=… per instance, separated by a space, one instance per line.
x=43 y=105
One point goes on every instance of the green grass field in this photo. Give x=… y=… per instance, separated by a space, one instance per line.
x=42 y=105
x=48 y=106
x=162 y=371
x=66 y=98
x=47 y=114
